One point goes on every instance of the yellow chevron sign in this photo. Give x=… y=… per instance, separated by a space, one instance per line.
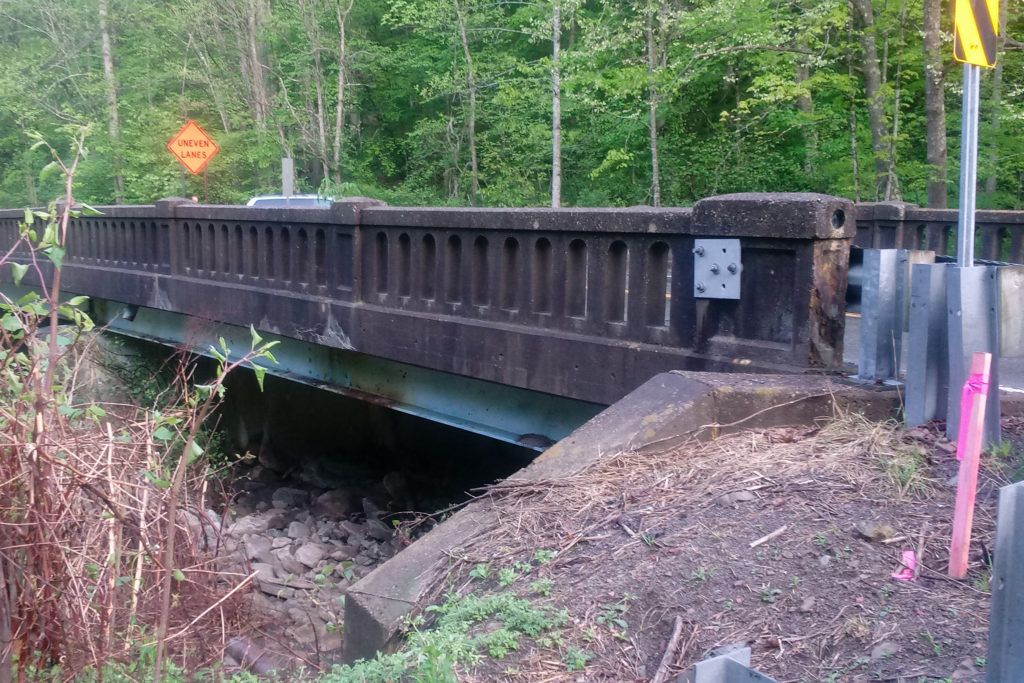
x=977 y=25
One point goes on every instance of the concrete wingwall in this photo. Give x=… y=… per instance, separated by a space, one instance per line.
x=667 y=409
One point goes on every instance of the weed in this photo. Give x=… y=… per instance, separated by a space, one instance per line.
x=903 y=468
x=839 y=674
x=984 y=582
x=542 y=586
x=886 y=590
x=769 y=594
x=611 y=617
x=794 y=581
x=821 y=540
x=481 y=571
x=506 y=576
x=701 y=574
x=934 y=642
x=575 y=658
x=544 y=556
x=979 y=662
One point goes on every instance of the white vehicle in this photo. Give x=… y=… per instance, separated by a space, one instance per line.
x=295 y=201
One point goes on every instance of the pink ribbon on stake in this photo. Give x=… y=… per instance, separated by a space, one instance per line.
x=976 y=384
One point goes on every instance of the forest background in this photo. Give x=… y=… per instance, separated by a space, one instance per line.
x=507 y=103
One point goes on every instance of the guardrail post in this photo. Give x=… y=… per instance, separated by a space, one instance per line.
x=1005 y=658
x=972 y=295
x=928 y=364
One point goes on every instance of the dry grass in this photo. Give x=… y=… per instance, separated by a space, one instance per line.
x=658 y=533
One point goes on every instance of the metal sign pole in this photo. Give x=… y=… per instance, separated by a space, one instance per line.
x=968 y=167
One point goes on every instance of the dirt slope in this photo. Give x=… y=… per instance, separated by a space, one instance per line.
x=645 y=542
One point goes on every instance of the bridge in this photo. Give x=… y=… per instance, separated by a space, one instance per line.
x=508 y=322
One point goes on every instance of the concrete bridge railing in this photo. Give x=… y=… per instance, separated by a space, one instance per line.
x=895 y=225
x=585 y=303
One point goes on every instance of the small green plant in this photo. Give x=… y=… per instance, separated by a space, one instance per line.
x=544 y=556
x=934 y=642
x=769 y=594
x=542 y=586
x=794 y=581
x=979 y=662
x=984 y=582
x=575 y=658
x=821 y=540
x=506 y=576
x=886 y=590
x=611 y=617
x=482 y=571
x=903 y=467
x=702 y=574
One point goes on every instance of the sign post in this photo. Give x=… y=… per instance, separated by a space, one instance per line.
x=968 y=288
x=976 y=28
x=193 y=148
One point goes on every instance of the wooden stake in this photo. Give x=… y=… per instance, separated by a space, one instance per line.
x=968 y=451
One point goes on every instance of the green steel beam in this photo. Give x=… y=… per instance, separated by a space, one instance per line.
x=511 y=414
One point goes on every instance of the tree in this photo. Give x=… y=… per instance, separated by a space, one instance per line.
x=935 y=104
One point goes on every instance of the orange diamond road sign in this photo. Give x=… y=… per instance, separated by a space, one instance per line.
x=976 y=26
x=193 y=147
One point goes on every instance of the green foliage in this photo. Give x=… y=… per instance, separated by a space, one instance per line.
x=454 y=639
x=388 y=114
x=575 y=658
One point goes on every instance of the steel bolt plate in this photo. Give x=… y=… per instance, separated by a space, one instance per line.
x=716 y=268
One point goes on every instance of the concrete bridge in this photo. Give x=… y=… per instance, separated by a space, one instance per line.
x=508 y=322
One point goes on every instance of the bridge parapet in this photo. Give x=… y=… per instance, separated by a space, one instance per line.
x=586 y=303
x=898 y=225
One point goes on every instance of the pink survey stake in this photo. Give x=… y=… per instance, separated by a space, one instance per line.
x=968 y=452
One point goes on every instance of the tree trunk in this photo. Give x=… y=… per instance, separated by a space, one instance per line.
x=853 y=121
x=996 y=104
x=652 y=106
x=202 y=53
x=934 y=105
x=258 y=83
x=556 y=106
x=805 y=105
x=474 y=188
x=318 y=115
x=863 y=10
x=339 y=114
x=113 y=120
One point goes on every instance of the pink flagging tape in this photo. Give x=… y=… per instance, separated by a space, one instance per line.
x=976 y=384
x=968 y=451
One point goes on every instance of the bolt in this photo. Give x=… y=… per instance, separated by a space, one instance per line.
x=701 y=287
x=714 y=268
x=699 y=251
x=732 y=268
